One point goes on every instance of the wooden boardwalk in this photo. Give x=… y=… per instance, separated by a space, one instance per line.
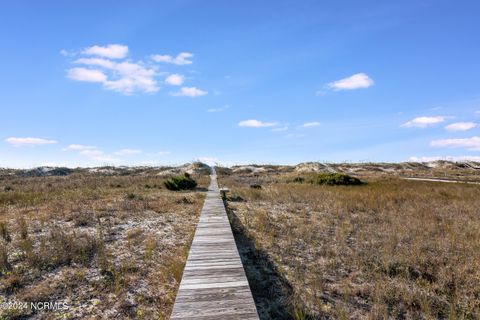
x=214 y=285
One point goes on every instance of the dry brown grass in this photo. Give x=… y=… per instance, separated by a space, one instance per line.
x=388 y=249
x=109 y=246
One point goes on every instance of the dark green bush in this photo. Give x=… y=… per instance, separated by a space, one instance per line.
x=177 y=183
x=330 y=179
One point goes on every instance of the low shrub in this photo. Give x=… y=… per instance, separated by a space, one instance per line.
x=330 y=179
x=178 y=183
x=11 y=283
x=4 y=233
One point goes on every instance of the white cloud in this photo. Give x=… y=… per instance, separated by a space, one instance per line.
x=174 y=79
x=125 y=77
x=477 y=112
x=163 y=153
x=423 y=122
x=183 y=58
x=252 y=123
x=461 y=126
x=190 y=92
x=472 y=143
x=162 y=58
x=310 y=124
x=88 y=75
x=100 y=62
x=78 y=147
x=356 y=81
x=446 y=158
x=66 y=53
x=280 y=129
x=132 y=77
x=20 y=142
x=92 y=153
x=112 y=51
x=107 y=65
x=127 y=152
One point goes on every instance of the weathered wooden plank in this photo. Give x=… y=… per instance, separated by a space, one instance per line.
x=214 y=285
x=213 y=308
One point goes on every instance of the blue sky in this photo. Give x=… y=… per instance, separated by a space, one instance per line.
x=155 y=82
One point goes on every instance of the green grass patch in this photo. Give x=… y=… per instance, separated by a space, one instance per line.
x=329 y=178
x=178 y=183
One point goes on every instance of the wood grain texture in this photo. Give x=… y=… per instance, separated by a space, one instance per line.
x=214 y=285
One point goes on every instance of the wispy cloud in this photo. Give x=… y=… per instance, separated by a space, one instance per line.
x=356 y=81
x=252 y=123
x=461 y=126
x=66 y=53
x=127 y=152
x=78 y=147
x=280 y=129
x=310 y=124
x=92 y=153
x=189 y=92
x=472 y=144
x=87 y=75
x=21 y=142
x=183 y=58
x=446 y=158
x=423 y=122
x=163 y=153
x=112 y=51
x=174 y=79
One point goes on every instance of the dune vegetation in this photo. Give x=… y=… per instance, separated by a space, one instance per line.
x=108 y=243
x=388 y=248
